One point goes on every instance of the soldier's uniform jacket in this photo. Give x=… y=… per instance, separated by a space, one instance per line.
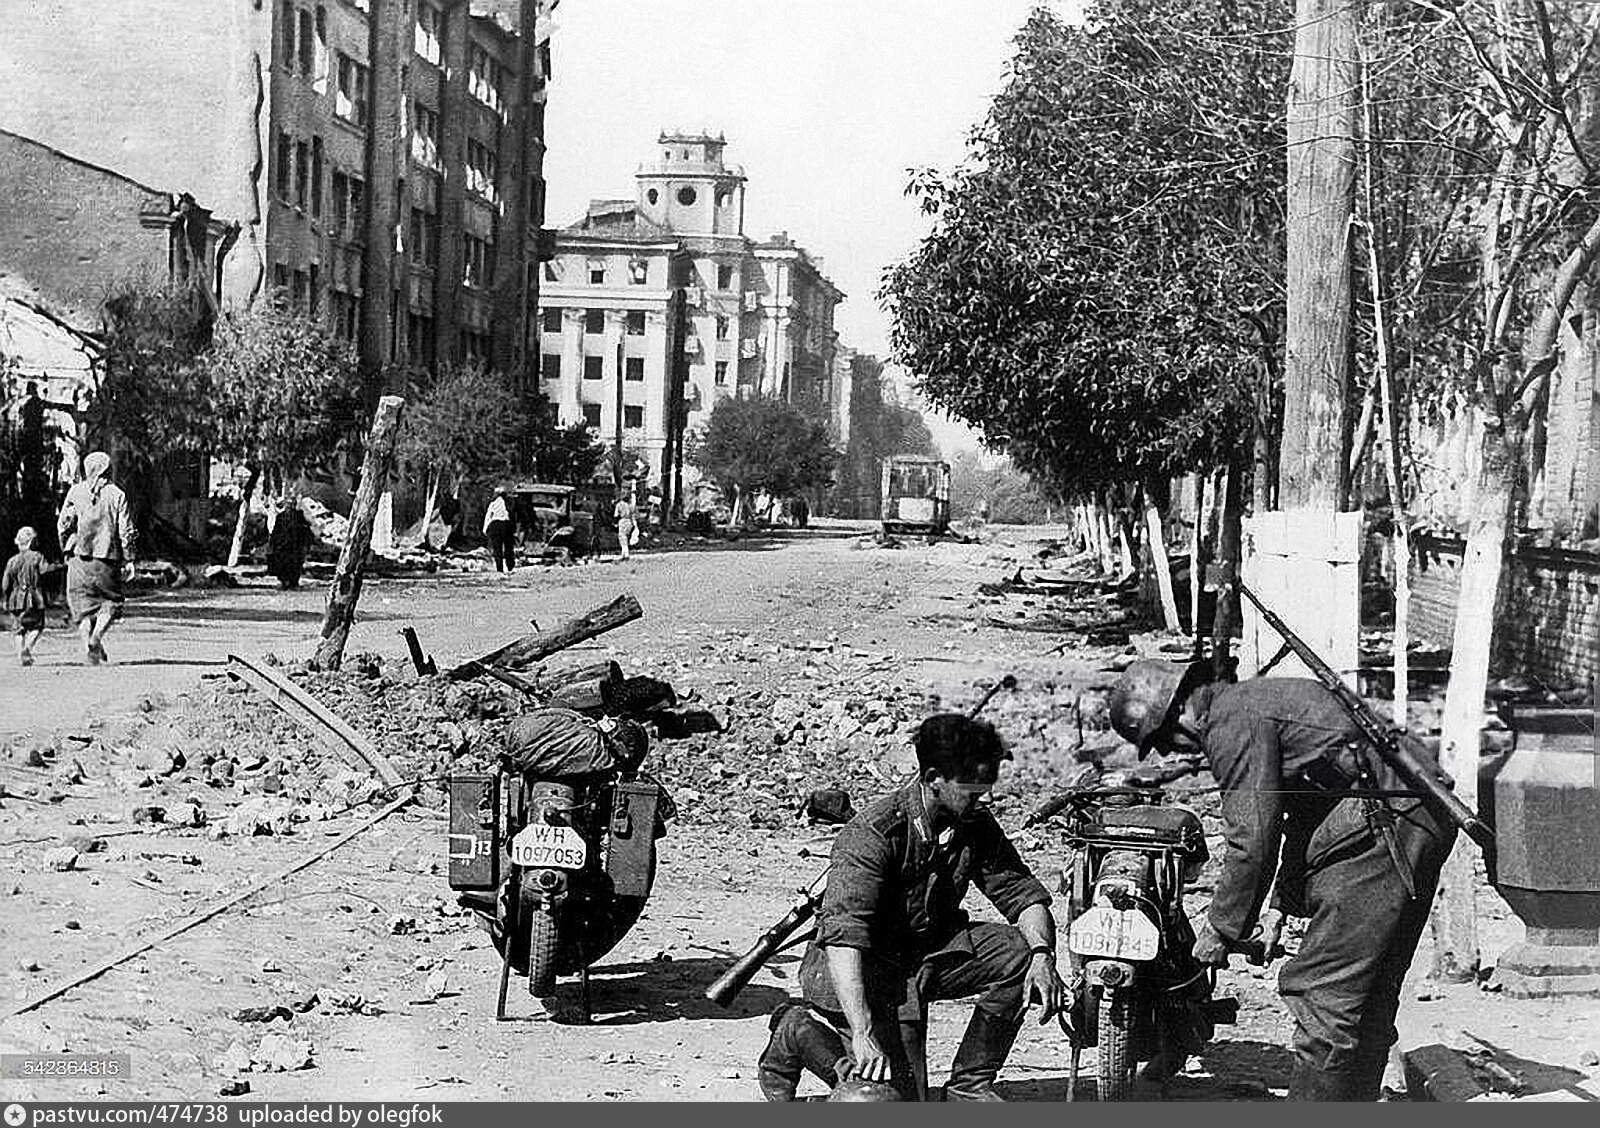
x=895 y=891
x=1271 y=742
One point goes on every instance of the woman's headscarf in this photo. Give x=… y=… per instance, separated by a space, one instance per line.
x=95 y=469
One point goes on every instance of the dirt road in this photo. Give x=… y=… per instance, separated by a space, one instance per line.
x=376 y=919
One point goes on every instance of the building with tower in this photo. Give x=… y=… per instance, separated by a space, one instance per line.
x=663 y=299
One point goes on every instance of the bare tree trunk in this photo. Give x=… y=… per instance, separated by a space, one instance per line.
x=1162 y=566
x=236 y=549
x=1230 y=537
x=345 y=590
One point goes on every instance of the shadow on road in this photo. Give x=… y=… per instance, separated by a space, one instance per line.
x=669 y=990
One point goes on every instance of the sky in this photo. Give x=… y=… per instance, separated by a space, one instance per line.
x=826 y=104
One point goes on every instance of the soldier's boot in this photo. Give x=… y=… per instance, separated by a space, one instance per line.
x=983 y=1050
x=800 y=1041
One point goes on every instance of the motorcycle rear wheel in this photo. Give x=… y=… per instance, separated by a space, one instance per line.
x=544 y=936
x=1115 y=1035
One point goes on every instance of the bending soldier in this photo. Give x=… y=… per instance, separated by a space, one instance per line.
x=892 y=936
x=1363 y=869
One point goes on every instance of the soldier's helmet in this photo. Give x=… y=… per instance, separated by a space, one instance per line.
x=1142 y=698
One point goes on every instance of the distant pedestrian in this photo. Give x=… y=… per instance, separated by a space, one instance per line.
x=501 y=531
x=97 y=534
x=291 y=536
x=20 y=588
x=627 y=524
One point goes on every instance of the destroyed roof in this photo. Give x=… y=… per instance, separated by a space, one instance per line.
x=617 y=218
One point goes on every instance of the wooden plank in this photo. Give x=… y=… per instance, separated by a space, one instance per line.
x=1437 y=1073
x=328 y=726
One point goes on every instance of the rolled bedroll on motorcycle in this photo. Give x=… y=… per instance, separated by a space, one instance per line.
x=555 y=852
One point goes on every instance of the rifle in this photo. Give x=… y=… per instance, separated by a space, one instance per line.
x=731 y=982
x=1398 y=748
x=727 y=986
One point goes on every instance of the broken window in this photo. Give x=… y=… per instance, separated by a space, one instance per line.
x=302 y=174
x=351 y=101
x=289 y=21
x=594 y=367
x=424 y=240
x=285 y=166
x=633 y=368
x=552 y=320
x=639 y=272
x=358 y=208
x=477 y=264
x=594 y=321
x=307 y=44
x=320 y=70
x=424 y=136
x=341 y=203
x=483 y=170
x=550 y=366
x=722 y=328
x=483 y=78
x=722 y=374
x=591 y=415
x=552 y=272
x=632 y=416
x=316 y=177
x=636 y=323
x=429 y=21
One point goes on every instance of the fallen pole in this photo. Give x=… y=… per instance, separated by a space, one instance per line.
x=65 y=985
x=328 y=726
x=527 y=650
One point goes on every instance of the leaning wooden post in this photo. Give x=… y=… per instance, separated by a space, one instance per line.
x=346 y=587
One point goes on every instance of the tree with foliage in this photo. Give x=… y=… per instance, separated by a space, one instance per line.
x=467 y=423
x=762 y=444
x=880 y=426
x=565 y=455
x=150 y=401
x=1102 y=291
x=1013 y=497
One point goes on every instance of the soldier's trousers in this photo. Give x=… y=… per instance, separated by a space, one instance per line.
x=1343 y=987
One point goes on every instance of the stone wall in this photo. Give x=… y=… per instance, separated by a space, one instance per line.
x=1550 y=626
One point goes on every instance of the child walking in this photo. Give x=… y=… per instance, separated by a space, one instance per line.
x=20 y=591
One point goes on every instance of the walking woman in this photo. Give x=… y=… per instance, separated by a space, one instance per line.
x=97 y=535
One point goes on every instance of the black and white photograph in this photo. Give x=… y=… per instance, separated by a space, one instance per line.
x=746 y=551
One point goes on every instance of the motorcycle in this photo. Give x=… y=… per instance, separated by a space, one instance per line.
x=556 y=858
x=1146 y=999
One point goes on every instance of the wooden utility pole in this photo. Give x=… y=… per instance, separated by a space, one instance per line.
x=346 y=587
x=1323 y=89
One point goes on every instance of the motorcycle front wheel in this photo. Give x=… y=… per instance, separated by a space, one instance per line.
x=544 y=936
x=1114 y=1027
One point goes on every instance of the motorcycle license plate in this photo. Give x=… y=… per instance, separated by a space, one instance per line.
x=540 y=846
x=1117 y=934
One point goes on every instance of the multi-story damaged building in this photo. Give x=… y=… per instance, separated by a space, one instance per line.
x=663 y=300
x=382 y=159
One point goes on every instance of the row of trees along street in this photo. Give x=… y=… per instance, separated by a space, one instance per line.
x=1107 y=294
x=277 y=394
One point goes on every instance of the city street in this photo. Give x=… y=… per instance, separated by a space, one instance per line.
x=376 y=920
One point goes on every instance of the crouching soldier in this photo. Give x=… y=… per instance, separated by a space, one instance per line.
x=892 y=936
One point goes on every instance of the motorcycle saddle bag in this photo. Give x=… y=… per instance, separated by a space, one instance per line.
x=1178 y=827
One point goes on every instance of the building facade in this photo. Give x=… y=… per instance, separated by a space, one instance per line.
x=663 y=300
x=383 y=159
